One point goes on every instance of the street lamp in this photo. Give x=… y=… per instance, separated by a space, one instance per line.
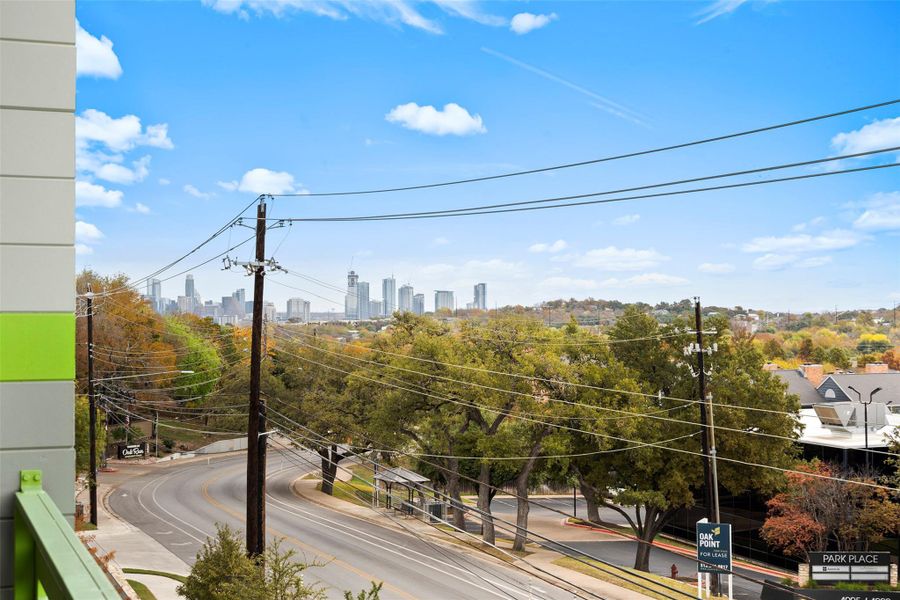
x=865 y=416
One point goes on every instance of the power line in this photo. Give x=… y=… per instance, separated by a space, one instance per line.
x=480 y=210
x=599 y=435
x=606 y=158
x=511 y=527
x=495 y=488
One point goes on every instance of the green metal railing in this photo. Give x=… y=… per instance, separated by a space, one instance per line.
x=50 y=560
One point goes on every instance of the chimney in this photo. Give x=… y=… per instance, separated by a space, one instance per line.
x=878 y=367
x=814 y=373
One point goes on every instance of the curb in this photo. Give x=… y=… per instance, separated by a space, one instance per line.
x=682 y=551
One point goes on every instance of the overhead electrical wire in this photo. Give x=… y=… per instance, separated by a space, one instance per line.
x=513 y=415
x=604 y=159
x=476 y=210
x=623 y=414
x=530 y=500
x=512 y=527
x=298 y=459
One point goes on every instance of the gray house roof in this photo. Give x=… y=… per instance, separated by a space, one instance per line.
x=835 y=388
x=800 y=385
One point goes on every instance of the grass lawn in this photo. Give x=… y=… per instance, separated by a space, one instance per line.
x=358 y=490
x=175 y=576
x=615 y=576
x=141 y=590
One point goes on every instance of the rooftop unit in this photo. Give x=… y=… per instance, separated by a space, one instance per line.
x=851 y=416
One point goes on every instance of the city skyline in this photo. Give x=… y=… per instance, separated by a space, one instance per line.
x=358 y=304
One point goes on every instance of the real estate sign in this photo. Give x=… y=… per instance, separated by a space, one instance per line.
x=713 y=547
x=850 y=566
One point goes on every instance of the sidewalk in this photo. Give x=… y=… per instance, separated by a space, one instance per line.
x=540 y=557
x=135 y=549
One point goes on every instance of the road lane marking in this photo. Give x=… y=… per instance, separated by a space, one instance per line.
x=292 y=510
x=144 y=506
x=303 y=545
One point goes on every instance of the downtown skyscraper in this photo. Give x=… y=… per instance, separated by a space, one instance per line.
x=480 y=296
x=406 y=298
x=351 y=300
x=389 y=296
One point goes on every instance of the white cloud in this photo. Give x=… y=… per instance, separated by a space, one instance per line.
x=626 y=219
x=835 y=239
x=882 y=213
x=612 y=258
x=719 y=8
x=193 y=191
x=395 y=13
x=644 y=280
x=119 y=134
x=440 y=241
x=164 y=181
x=82 y=249
x=453 y=119
x=91 y=194
x=522 y=23
x=884 y=133
x=87 y=233
x=556 y=246
x=776 y=262
x=117 y=173
x=808 y=224
x=95 y=57
x=262 y=181
x=716 y=268
x=142 y=208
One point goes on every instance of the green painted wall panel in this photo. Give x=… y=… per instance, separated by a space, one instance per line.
x=37 y=346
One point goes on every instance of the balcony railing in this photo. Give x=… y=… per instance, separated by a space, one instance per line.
x=50 y=560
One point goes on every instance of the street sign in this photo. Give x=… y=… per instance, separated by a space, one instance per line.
x=713 y=547
x=850 y=566
x=132 y=450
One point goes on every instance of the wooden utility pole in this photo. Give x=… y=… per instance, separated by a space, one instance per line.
x=256 y=419
x=92 y=409
x=708 y=444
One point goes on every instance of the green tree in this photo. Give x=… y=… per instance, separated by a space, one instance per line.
x=655 y=481
x=223 y=571
x=82 y=435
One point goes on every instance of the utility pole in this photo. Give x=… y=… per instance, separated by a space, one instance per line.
x=92 y=408
x=256 y=416
x=708 y=441
x=256 y=421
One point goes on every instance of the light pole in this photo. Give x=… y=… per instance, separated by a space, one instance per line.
x=865 y=416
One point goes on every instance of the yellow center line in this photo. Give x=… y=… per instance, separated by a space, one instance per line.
x=303 y=545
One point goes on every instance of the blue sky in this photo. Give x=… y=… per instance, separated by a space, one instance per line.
x=186 y=111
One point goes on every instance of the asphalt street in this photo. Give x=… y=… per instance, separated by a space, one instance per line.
x=179 y=506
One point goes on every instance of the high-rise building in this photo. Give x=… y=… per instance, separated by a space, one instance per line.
x=189 y=289
x=298 y=308
x=240 y=297
x=230 y=306
x=269 y=312
x=480 y=296
x=389 y=295
x=374 y=308
x=443 y=299
x=418 y=304
x=362 y=291
x=406 y=298
x=351 y=300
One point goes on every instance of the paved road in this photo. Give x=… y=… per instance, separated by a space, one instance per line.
x=621 y=552
x=180 y=506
